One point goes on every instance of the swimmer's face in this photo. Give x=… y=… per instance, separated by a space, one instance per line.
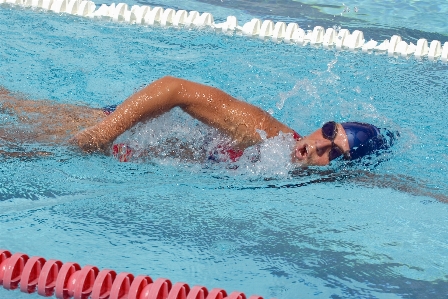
x=314 y=149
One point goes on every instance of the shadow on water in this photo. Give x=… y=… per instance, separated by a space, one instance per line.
x=403 y=183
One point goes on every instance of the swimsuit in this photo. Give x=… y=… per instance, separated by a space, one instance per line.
x=224 y=153
x=296 y=136
x=109 y=109
x=122 y=152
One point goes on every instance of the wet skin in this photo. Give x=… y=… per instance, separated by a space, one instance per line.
x=314 y=149
x=56 y=123
x=42 y=121
x=238 y=119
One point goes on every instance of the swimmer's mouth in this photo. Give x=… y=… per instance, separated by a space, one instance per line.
x=301 y=152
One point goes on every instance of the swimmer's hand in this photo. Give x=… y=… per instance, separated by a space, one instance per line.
x=90 y=140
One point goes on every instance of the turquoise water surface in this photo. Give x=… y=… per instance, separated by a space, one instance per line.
x=376 y=229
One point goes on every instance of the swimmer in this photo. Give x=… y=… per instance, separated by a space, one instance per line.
x=239 y=120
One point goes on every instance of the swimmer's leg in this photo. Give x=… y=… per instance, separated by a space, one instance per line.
x=44 y=120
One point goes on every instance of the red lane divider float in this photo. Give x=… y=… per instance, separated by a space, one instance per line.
x=69 y=280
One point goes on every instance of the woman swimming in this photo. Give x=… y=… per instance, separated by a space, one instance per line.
x=94 y=130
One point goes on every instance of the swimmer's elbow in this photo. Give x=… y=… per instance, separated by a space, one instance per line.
x=178 y=91
x=182 y=93
x=170 y=81
x=171 y=84
x=168 y=78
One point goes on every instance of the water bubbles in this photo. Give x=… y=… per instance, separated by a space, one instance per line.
x=177 y=139
x=274 y=158
x=346 y=9
x=304 y=84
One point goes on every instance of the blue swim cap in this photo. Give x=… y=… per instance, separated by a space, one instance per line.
x=363 y=139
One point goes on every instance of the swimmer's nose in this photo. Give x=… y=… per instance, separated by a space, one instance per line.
x=321 y=146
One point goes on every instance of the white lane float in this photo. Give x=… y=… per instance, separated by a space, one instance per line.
x=340 y=39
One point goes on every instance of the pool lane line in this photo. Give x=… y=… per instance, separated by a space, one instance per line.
x=340 y=39
x=69 y=280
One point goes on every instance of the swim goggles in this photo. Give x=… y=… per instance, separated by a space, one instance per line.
x=330 y=131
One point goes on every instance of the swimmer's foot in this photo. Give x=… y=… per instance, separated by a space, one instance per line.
x=90 y=140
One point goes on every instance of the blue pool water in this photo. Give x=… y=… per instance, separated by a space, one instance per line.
x=372 y=230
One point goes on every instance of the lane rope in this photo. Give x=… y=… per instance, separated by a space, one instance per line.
x=70 y=280
x=340 y=39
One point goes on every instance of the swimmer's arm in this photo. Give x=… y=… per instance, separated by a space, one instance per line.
x=238 y=119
